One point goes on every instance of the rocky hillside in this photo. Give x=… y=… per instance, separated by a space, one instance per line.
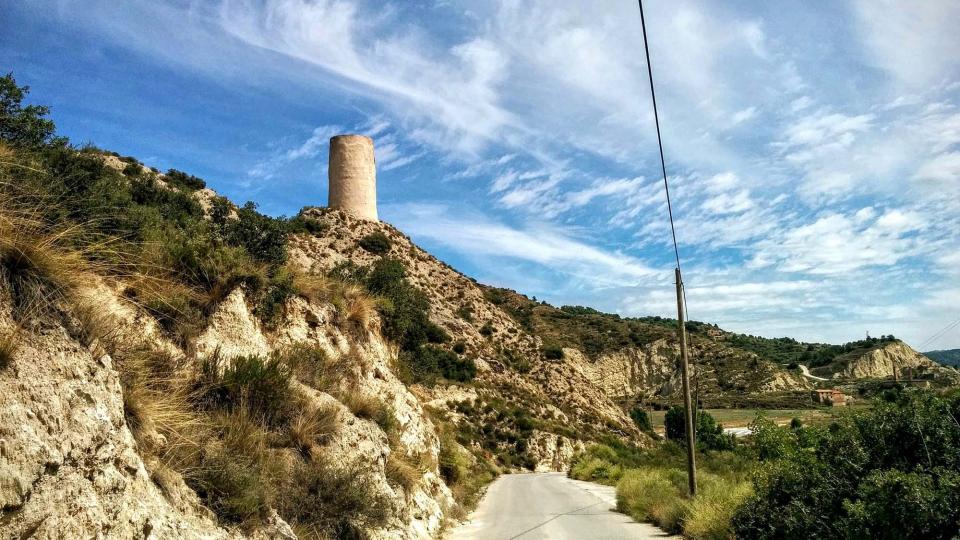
x=637 y=359
x=888 y=360
x=512 y=364
x=175 y=366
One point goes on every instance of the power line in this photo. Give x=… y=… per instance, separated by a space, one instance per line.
x=940 y=333
x=663 y=168
x=656 y=119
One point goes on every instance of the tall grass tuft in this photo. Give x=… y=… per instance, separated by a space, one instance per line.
x=35 y=260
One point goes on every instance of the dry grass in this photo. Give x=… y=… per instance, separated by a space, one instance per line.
x=9 y=343
x=361 y=405
x=39 y=267
x=402 y=471
x=96 y=325
x=361 y=310
x=158 y=404
x=314 y=287
x=313 y=427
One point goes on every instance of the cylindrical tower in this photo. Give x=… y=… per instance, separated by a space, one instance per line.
x=353 y=176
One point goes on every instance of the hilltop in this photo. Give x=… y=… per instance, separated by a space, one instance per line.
x=948 y=357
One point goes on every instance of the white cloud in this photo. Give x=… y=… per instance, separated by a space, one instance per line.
x=943 y=168
x=543 y=244
x=916 y=42
x=837 y=243
x=743 y=115
x=318 y=142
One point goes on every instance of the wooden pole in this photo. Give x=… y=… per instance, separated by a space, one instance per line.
x=687 y=406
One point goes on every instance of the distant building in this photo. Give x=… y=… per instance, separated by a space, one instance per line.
x=829 y=396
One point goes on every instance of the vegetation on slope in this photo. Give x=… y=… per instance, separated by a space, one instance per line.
x=950 y=357
x=233 y=428
x=890 y=471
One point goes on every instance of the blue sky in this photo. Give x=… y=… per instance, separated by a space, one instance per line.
x=813 y=148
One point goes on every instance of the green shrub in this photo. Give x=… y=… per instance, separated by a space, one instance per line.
x=465 y=312
x=710 y=435
x=259 y=385
x=263 y=237
x=132 y=169
x=641 y=419
x=301 y=224
x=890 y=471
x=674 y=424
x=487 y=329
x=459 y=347
x=324 y=500
x=376 y=243
x=552 y=352
x=897 y=504
x=183 y=180
x=428 y=363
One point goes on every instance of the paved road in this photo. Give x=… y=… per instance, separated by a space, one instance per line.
x=550 y=506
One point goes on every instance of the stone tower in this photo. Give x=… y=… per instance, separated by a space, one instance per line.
x=353 y=176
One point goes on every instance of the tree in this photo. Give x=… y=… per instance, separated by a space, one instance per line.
x=641 y=419
x=710 y=435
x=19 y=125
x=673 y=424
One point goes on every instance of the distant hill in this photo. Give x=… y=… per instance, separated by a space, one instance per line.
x=948 y=357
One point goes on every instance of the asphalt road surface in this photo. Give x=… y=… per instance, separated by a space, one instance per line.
x=550 y=506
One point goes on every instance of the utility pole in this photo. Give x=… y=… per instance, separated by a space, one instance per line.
x=685 y=374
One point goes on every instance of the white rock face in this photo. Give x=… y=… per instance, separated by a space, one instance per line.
x=553 y=452
x=895 y=358
x=68 y=464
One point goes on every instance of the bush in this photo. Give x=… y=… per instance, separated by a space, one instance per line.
x=301 y=224
x=323 y=500
x=674 y=423
x=428 y=363
x=649 y=495
x=890 y=471
x=183 y=180
x=641 y=419
x=376 y=243
x=259 y=385
x=487 y=329
x=132 y=169
x=552 y=352
x=465 y=312
x=263 y=237
x=710 y=435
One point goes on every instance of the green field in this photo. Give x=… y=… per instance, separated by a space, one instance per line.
x=743 y=417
